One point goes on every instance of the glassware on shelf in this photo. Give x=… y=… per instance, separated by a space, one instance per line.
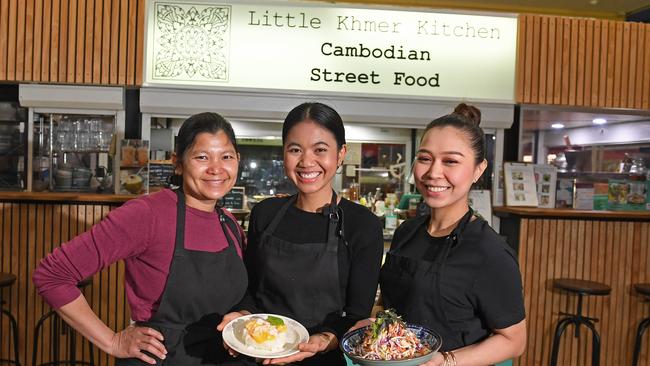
x=142 y=155
x=128 y=155
x=78 y=148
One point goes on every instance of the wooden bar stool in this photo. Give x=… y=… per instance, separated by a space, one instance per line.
x=581 y=288
x=59 y=327
x=7 y=279
x=642 y=289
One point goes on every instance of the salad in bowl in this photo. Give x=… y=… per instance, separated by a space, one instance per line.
x=390 y=341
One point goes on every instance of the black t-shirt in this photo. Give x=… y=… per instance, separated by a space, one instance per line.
x=423 y=245
x=359 y=261
x=480 y=283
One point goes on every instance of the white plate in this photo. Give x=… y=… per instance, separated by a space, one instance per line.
x=233 y=335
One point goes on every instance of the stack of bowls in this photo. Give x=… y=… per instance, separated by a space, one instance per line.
x=63 y=178
x=81 y=177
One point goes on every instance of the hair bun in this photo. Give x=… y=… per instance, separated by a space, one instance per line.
x=471 y=113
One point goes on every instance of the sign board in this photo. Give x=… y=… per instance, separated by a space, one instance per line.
x=234 y=199
x=159 y=172
x=330 y=48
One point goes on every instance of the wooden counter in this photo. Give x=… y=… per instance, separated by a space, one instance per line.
x=65 y=197
x=604 y=246
x=504 y=211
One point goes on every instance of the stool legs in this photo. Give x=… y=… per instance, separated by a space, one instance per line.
x=58 y=327
x=577 y=320
x=14 y=330
x=639 y=336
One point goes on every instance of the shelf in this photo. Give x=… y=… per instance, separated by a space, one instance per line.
x=80 y=151
x=132 y=166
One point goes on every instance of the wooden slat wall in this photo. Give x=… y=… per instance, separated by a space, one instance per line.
x=612 y=252
x=72 y=41
x=28 y=232
x=583 y=62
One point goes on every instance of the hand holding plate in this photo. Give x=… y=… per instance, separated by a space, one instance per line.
x=319 y=342
x=227 y=319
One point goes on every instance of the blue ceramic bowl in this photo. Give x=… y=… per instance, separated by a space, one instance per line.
x=428 y=337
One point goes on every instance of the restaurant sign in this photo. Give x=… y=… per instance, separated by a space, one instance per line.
x=326 y=48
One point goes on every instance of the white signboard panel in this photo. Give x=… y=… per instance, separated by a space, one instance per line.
x=332 y=49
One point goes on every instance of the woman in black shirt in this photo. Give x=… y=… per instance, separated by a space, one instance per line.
x=314 y=257
x=449 y=270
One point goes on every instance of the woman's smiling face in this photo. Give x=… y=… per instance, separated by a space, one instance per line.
x=445 y=167
x=311 y=157
x=209 y=169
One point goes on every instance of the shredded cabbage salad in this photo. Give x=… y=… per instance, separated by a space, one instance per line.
x=388 y=338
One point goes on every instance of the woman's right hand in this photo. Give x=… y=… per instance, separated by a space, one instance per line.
x=227 y=319
x=132 y=341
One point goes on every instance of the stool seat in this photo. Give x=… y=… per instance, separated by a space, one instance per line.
x=7 y=279
x=583 y=287
x=643 y=288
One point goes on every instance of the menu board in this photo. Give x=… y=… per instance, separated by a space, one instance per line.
x=234 y=199
x=521 y=189
x=159 y=172
x=546 y=178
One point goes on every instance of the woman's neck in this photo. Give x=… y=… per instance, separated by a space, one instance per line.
x=314 y=202
x=206 y=205
x=444 y=219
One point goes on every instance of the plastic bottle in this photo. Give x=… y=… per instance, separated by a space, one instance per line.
x=391 y=218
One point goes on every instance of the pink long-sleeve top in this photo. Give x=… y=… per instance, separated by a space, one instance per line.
x=142 y=233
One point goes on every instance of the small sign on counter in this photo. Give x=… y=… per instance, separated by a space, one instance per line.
x=521 y=189
x=234 y=199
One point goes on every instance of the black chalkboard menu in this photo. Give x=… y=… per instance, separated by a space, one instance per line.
x=234 y=199
x=159 y=172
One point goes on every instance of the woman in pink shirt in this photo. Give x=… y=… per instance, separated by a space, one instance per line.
x=182 y=254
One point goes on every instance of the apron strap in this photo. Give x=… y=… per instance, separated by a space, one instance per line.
x=455 y=237
x=180 y=221
x=278 y=217
x=227 y=221
x=335 y=216
x=224 y=219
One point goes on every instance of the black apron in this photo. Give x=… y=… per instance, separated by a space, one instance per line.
x=412 y=287
x=301 y=280
x=201 y=287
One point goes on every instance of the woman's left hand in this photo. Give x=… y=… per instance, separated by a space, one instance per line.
x=319 y=342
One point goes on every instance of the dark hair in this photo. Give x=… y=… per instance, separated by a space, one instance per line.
x=209 y=122
x=202 y=122
x=465 y=118
x=320 y=113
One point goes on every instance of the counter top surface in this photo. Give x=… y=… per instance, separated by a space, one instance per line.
x=570 y=213
x=66 y=197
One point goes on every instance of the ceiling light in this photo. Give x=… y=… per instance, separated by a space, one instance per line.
x=557 y=125
x=593 y=2
x=599 y=121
